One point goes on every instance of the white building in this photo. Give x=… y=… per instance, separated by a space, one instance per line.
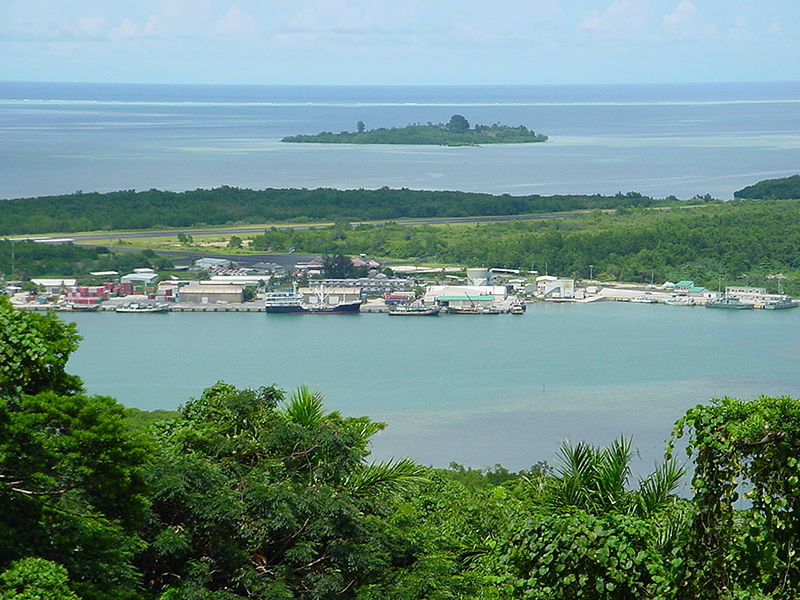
x=548 y=286
x=54 y=286
x=434 y=292
x=148 y=278
x=479 y=276
x=206 y=264
x=211 y=294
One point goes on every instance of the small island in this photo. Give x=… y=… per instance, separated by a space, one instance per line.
x=457 y=132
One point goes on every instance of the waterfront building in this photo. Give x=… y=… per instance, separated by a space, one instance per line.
x=371 y=286
x=141 y=282
x=211 y=294
x=748 y=294
x=332 y=296
x=436 y=293
x=548 y=286
x=54 y=286
x=683 y=287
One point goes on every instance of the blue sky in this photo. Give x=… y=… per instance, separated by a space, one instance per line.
x=365 y=42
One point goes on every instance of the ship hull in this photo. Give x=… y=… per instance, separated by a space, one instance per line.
x=350 y=308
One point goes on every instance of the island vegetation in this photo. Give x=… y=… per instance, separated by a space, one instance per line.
x=772 y=189
x=456 y=132
x=150 y=209
x=259 y=494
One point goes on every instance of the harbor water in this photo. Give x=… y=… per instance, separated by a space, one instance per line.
x=476 y=390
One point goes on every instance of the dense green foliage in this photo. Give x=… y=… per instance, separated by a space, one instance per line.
x=748 y=448
x=35 y=579
x=250 y=494
x=456 y=132
x=71 y=478
x=772 y=189
x=720 y=240
x=31 y=259
x=145 y=210
x=34 y=350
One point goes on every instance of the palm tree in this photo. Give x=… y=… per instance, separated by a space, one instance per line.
x=597 y=480
x=306 y=409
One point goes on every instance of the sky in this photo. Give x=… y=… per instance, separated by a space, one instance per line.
x=403 y=42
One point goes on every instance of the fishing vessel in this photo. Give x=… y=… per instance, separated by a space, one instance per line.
x=474 y=310
x=786 y=302
x=75 y=307
x=142 y=307
x=728 y=303
x=679 y=301
x=315 y=300
x=414 y=311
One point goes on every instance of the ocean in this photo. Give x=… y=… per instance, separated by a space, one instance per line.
x=659 y=140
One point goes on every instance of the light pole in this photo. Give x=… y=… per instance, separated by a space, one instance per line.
x=591 y=271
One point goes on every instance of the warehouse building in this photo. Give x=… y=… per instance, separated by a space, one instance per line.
x=211 y=294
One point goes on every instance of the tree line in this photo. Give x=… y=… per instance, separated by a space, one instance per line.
x=130 y=209
x=266 y=495
x=26 y=259
x=774 y=189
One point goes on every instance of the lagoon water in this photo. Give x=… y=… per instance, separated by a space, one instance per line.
x=655 y=139
x=478 y=390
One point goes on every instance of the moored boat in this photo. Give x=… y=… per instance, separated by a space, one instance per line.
x=679 y=301
x=473 y=310
x=142 y=307
x=317 y=300
x=728 y=303
x=414 y=311
x=780 y=304
x=73 y=306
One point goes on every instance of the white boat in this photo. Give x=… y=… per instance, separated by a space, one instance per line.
x=142 y=307
x=473 y=310
x=680 y=301
x=782 y=303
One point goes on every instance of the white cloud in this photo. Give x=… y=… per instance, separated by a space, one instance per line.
x=235 y=24
x=621 y=17
x=129 y=30
x=91 y=28
x=683 y=17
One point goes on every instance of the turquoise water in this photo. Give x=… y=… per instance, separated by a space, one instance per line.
x=656 y=139
x=478 y=390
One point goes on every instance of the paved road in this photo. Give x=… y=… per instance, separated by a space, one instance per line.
x=237 y=230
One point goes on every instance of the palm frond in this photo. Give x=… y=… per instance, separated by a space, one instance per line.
x=365 y=428
x=656 y=491
x=390 y=477
x=613 y=469
x=305 y=407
